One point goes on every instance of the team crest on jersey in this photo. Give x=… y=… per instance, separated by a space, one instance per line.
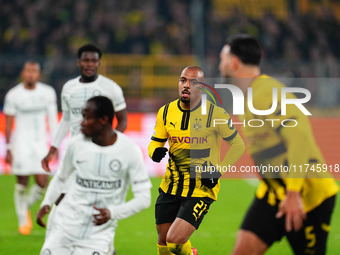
x=96 y=93
x=198 y=124
x=115 y=165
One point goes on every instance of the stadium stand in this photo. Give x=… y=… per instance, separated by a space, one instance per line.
x=297 y=43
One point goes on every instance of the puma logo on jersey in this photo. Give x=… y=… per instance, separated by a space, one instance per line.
x=173 y=124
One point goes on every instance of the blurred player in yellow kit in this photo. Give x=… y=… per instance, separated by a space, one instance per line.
x=298 y=208
x=187 y=189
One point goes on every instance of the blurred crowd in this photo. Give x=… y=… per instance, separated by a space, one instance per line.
x=312 y=40
x=299 y=46
x=51 y=28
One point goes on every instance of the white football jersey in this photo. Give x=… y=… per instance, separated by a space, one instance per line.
x=75 y=94
x=29 y=140
x=103 y=175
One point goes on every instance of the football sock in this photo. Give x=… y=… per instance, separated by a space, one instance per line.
x=180 y=249
x=36 y=193
x=20 y=201
x=163 y=250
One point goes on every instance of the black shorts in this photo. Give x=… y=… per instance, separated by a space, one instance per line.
x=310 y=239
x=192 y=209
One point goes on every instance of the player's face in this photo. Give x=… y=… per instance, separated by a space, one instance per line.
x=90 y=125
x=89 y=63
x=30 y=74
x=225 y=66
x=188 y=86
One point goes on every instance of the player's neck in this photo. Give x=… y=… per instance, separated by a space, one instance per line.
x=246 y=76
x=106 y=138
x=185 y=106
x=30 y=86
x=189 y=106
x=85 y=79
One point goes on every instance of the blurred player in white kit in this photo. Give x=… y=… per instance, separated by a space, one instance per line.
x=74 y=95
x=28 y=103
x=105 y=163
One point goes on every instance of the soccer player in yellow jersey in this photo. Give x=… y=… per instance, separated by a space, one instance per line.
x=190 y=183
x=299 y=208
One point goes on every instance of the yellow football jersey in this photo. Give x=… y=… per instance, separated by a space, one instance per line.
x=285 y=140
x=193 y=139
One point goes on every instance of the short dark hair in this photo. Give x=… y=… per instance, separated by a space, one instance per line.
x=31 y=61
x=90 y=48
x=104 y=107
x=246 y=48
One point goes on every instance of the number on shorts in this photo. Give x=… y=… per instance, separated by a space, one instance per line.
x=199 y=208
x=310 y=236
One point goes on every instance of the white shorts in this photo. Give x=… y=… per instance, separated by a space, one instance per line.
x=27 y=158
x=57 y=243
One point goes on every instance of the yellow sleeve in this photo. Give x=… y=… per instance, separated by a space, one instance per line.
x=296 y=141
x=223 y=124
x=152 y=146
x=235 y=151
x=296 y=138
x=160 y=134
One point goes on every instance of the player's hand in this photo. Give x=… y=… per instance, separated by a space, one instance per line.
x=9 y=157
x=209 y=178
x=292 y=207
x=48 y=158
x=159 y=154
x=41 y=213
x=102 y=217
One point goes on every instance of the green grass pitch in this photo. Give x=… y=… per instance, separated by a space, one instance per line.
x=137 y=235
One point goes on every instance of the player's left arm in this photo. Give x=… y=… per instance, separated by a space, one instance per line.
x=296 y=140
x=52 y=113
x=140 y=185
x=119 y=105
x=230 y=134
x=122 y=120
x=236 y=150
x=236 y=147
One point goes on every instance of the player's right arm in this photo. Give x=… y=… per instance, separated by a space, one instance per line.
x=156 y=149
x=60 y=133
x=8 y=131
x=9 y=111
x=57 y=185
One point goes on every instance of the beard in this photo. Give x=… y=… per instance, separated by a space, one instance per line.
x=30 y=84
x=185 y=101
x=89 y=78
